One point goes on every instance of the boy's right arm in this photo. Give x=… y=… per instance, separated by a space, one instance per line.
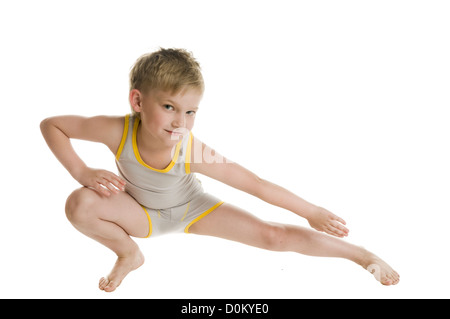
x=58 y=131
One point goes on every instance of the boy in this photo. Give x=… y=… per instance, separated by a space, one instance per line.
x=157 y=191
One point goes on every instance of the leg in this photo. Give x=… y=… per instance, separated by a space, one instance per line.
x=235 y=224
x=110 y=221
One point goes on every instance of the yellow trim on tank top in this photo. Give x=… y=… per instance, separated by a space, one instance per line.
x=138 y=156
x=187 y=160
x=124 y=136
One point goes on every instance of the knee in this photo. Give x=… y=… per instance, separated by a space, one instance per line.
x=79 y=205
x=275 y=237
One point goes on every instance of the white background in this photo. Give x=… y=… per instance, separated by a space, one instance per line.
x=343 y=102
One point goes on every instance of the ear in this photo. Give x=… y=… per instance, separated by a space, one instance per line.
x=136 y=100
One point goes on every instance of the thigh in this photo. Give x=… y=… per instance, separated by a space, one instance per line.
x=121 y=209
x=233 y=223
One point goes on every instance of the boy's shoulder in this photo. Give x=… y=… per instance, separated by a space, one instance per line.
x=110 y=124
x=110 y=129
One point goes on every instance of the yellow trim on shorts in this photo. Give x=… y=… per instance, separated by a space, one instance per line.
x=124 y=136
x=186 y=230
x=185 y=213
x=149 y=223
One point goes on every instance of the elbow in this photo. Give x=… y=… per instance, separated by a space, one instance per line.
x=45 y=123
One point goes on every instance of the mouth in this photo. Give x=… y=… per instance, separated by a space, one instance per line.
x=177 y=132
x=173 y=132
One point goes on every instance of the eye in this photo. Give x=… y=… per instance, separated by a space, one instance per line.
x=192 y=113
x=168 y=107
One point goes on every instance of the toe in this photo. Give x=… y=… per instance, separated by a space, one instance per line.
x=386 y=282
x=111 y=286
x=103 y=283
x=396 y=278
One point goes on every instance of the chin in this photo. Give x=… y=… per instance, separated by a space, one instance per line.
x=172 y=140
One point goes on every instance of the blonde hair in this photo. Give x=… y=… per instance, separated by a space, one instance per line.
x=169 y=70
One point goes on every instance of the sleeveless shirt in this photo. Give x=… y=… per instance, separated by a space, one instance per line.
x=156 y=188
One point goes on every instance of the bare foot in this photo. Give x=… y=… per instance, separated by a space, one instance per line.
x=123 y=266
x=380 y=270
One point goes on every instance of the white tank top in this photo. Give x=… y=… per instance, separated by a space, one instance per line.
x=151 y=187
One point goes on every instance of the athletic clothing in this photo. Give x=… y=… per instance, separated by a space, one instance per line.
x=172 y=198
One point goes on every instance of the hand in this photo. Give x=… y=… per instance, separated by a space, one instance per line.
x=325 y=221
x=102 y=181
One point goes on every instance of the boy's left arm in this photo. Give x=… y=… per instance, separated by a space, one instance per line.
x=233 y=174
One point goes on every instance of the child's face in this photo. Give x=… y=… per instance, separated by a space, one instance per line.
x=169 y=117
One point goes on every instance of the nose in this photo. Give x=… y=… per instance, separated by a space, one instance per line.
x=179 y=121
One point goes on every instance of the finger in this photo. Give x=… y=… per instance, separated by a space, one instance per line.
x=121 y=180
x=102 y=190
x=340 y=228
x=119 y=183
x=116 y=181
x=344 y=231
x=333 y=232
x=116 y=178
x=339 y=219
x=109 y=185
x=110 y=179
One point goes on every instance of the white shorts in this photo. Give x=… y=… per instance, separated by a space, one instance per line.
x=179 y=219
